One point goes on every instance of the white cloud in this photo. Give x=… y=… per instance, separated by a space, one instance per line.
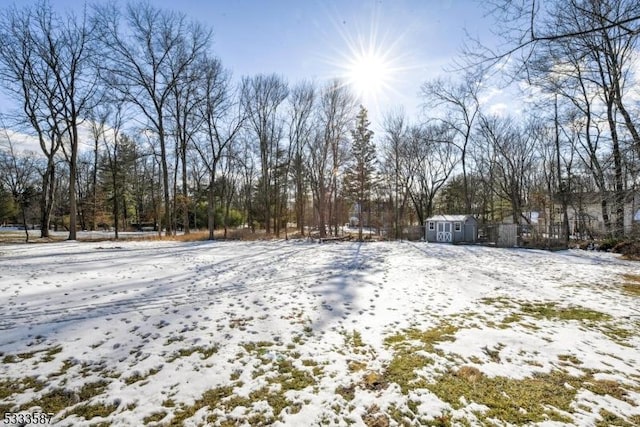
x=499 y=109
x=22 y=142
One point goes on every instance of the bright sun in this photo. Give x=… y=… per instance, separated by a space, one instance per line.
x=371 y=62
x=369 y=74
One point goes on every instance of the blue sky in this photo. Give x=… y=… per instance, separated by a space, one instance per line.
x=316 y=39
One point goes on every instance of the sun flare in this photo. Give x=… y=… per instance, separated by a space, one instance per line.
x=373 y=61
x=369 y=74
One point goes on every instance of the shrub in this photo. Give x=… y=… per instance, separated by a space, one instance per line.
x=629 y=249
x=608 y=244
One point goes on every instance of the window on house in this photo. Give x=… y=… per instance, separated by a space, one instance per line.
x=432 y=225
x=457 y=226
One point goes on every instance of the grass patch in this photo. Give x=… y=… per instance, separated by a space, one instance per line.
x=618 y=334
x=355 y=366
x=281 y=375
x=511 y=318
x=206 y=352
x=137 y=376
x=154 y=418
x=354 y=339
x=514 y=401
x=551 y=311
x=631 y=285
x=423 y=340
x=235 y=375
x=223 y=398
x=258 y=348
x=402 y=369
x=493 y=353
x=88 y=412
x=66 y=365
x=374 y=381
x=50 y=354
x=412 y=347
x=500 y=302
x=241 y=323
x=545 y=310
x=211 y=398
x=607 y=387
x=354 y=344
x=9 y=358
x=374 y=418
x=610 y=419
x=27 y=355
x=348 y=392
x=289 y=377
x=173 y=339
x=14 y=386
x=569 y=359
x=59 y=399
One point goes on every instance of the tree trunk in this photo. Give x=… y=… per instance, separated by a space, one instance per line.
x=185 y=195
x=165 y=183
x=618 y=174
x=211 y=207
x=73 y=170
x=47 y=201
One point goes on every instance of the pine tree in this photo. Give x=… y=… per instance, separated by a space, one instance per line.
x=359 y=176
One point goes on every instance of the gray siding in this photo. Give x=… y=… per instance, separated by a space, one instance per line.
x=444 y=229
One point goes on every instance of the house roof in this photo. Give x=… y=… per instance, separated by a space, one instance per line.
x=450 y=218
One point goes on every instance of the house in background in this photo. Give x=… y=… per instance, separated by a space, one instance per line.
x=585 y=212
x=451 y=229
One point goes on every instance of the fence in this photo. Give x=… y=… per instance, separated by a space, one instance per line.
x=527 y=236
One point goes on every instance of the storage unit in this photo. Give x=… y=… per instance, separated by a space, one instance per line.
x=451 y=229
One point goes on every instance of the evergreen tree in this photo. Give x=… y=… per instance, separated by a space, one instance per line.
x=359 y=176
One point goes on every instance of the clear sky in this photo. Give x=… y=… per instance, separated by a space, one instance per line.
x=394 y=45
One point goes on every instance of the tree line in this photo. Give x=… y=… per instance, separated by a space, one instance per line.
x=140 y=125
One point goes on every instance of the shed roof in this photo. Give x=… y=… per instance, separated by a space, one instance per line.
x=450 y=218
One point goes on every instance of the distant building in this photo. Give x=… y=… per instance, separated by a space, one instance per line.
x=584 y=211
x=451 y=229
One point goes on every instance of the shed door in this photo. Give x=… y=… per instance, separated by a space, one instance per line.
x=444 y=232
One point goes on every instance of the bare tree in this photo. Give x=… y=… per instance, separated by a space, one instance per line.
x=26 y=79
x=18 y=176
x=222 y=120
x=592 y=69
x=526 y=25
x=509 y=154
x=462 y=107
x=147 y=61
x=301 y=104
x=328 y=151
x=46 y=65
x=394 y=163
x=262 y=96
x=114 y=149
x=431 y=162
x=186 y=101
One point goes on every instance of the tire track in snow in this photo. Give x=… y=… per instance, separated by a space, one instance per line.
x=191 y=295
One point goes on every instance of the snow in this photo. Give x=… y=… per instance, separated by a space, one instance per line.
x=119 y=309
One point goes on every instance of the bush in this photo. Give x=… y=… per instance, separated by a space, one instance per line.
x=608 y=244
x=629 y=249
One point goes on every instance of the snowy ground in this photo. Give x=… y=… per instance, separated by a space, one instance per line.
x=300 y=333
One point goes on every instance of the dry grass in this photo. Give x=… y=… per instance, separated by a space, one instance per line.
x=631 y=285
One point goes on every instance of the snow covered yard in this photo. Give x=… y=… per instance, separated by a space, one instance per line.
x=297 y=333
